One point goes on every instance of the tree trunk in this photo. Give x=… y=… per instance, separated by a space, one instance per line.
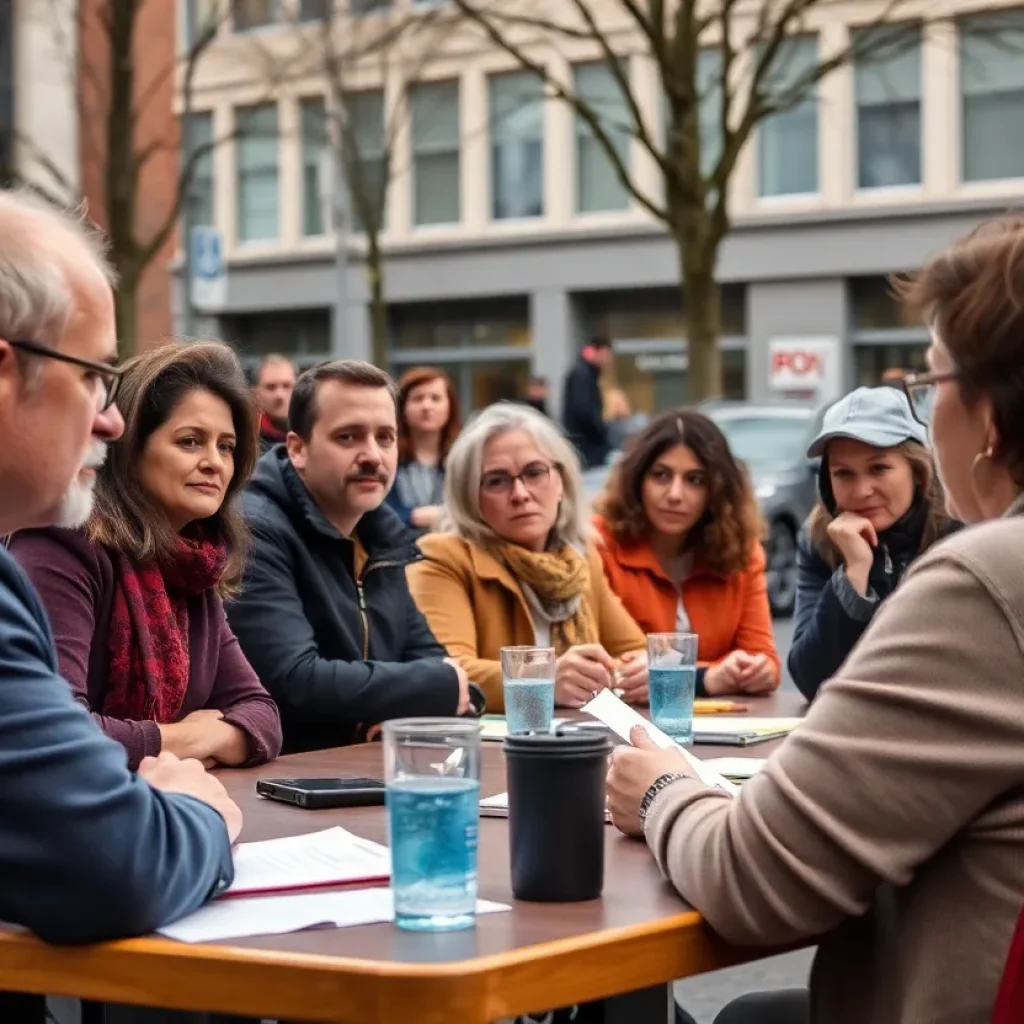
x=378 y=305
x=126 y=312
x=702 y=302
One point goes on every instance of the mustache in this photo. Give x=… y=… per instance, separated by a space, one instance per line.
x=367 y=474
x=97 y=455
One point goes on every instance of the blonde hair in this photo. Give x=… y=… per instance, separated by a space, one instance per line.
x=463 y=470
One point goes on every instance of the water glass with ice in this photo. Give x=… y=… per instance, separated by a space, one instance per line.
x=432 y=772
x=672 y=682
x=528 y=678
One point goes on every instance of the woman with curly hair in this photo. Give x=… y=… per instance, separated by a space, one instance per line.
x=680 y=527
x=428 y=423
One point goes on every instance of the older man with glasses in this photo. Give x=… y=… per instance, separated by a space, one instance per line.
x=88 y=850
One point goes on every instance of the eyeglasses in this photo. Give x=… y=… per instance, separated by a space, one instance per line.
x=920 y=390
x=108 y=377
x=535 y=477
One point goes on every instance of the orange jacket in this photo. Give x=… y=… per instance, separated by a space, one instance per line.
x=727 y=613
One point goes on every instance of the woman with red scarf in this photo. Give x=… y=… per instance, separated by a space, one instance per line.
x=135 y=597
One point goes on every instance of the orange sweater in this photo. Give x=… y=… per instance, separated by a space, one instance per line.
x=727 y=613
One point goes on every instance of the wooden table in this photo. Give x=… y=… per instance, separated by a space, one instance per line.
x=639 y=934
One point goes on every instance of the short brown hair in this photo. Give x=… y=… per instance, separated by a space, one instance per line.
x=407 y=383
x=302 y=410
x=152 y=386
x=730 y=527
x=926 y=488
x=972 y=295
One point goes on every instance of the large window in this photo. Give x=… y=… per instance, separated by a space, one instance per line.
x=517 y=145
x=313 y=119
x=200 y=193
x=788 y=141
x=992 y=95
x=888 y=90
x=249 y=14
x=367 y=162
x=256 y=171
x=597 y=185
x=435 y=147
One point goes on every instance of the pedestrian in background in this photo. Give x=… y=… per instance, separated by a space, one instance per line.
x=275 y=381
x=583 y=404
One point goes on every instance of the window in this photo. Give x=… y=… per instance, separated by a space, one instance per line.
x=367 y=162
x=709 y=88
x=888 y=92
x=788 y=141
x=435 y=152
x=313 y=118
x=517 y=145
x=315 y=10
x=207 y=18
x=249 y=14
x=597 y=185
x=200 y=194
x=992 y=96
x=368 y=6
x=256 y=170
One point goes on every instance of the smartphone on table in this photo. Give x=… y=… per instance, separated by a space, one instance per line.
x=317 y=794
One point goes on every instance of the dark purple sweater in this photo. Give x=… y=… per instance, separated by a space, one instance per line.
x=75 y=578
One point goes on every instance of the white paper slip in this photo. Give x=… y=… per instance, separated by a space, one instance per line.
x=331 y=857
x=276 y=915
x=621 y=718
x=497 y=807
x=737 y=767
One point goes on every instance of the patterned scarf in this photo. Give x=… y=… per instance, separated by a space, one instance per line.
x=148 y=643
x=561 y=582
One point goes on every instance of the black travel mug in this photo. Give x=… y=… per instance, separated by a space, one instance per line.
x=556 y=814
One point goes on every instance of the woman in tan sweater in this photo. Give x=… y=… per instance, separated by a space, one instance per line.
x=890 y=826
x=512 y=565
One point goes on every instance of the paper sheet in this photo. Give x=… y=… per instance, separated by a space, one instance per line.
x=621 y=718
x=332 y=857
x=497 y=807
x=276 y=915
x=728 y=725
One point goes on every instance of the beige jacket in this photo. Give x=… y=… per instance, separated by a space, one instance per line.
x=892 y=822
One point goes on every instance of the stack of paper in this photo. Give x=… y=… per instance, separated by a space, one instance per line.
x=276 y=915
x=332 y=857
x=741 y=731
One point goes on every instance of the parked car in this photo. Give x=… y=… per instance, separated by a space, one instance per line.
x=771 y=440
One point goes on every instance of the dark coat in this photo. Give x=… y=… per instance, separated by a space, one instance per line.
x=337 y=654
x=583 y=414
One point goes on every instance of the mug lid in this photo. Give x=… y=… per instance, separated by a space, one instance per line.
x=567 y=741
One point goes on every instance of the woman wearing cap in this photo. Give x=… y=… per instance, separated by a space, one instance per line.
x=880 y=506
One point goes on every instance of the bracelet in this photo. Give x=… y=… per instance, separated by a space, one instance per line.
x=655 y=788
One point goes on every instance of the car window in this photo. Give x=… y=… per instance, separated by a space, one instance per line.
x=766 y=438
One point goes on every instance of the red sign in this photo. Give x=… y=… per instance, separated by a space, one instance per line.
x=797 y=363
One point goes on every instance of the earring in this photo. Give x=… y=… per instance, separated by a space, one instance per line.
x=980 y=460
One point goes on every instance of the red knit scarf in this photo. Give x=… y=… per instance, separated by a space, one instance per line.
x=270 y=430
x=148 y=641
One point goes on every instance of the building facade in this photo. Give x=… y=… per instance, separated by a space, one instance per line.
x=509 y=240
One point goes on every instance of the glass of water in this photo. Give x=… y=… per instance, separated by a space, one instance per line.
x=672 y=682
x=432 y=771
x=528 y=678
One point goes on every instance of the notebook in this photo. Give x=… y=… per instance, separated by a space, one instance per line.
x=729 y=731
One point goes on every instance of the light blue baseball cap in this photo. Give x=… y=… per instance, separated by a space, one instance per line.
x=880 y=417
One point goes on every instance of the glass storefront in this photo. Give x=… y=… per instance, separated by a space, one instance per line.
x=888 y=339
x=647 y=331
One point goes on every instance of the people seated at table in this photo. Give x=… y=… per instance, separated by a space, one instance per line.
x=88 y=850
x=889 y=827
x=428 y=422
x=879 y=506
x=135 y=596
x=679 y=530
x=275 y=380
x=513 y=565
x=325 y=615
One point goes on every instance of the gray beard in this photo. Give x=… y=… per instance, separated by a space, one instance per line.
x=76 y=506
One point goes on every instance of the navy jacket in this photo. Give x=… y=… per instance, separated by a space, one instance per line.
x=337 y=654
x=88 y=851
x=830 y=615
x=583 y=414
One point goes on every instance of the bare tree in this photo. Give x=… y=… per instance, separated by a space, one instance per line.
x=393 y=49
x=723 y=67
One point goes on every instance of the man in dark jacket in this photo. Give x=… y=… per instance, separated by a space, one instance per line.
x=275 y=381
x=325 y=616
x=583 y=404
x=88 y=850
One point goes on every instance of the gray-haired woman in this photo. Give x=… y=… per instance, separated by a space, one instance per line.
x=512 y=565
